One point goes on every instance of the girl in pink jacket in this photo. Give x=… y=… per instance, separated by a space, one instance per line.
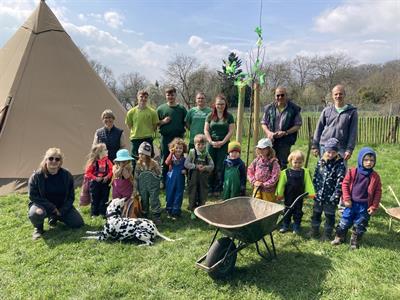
x=263 y=172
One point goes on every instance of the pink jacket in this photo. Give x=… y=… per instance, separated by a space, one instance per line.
x=374 y=188
x=265 y=170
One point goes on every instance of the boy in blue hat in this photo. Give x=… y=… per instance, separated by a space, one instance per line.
x=328 y=178
x=362 y=191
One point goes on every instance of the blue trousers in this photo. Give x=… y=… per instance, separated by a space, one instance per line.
x=174 y=191
x=356 y=215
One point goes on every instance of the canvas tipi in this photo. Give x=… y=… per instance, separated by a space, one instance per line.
x=49 y=97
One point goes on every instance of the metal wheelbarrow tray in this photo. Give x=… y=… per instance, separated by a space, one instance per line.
x=246 y=220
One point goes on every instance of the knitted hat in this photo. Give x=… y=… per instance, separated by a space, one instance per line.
x=145 y=148
x=234 y=146
x=264 y=143
x=123 y=155
x=332 y=144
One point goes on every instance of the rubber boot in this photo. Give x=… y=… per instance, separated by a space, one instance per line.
x=314 y=232
x=340 y=237
x=355 y=240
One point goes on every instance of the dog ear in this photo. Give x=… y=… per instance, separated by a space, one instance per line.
x=108 y=203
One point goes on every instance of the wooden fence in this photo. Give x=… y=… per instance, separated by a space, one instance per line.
x=371 y=130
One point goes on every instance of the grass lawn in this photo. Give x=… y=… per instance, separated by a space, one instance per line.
x=63 y=266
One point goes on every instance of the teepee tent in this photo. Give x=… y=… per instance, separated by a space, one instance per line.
x=49 y=97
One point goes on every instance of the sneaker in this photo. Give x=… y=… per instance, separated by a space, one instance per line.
x=37 y=233
x=284 y=228
x=296 y=228
x=337 y=241
x=52 y=221
x=193 y=216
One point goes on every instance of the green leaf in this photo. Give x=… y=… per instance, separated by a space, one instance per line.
x=258 y=30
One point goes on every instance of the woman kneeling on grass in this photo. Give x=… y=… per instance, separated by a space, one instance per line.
x=51 y=194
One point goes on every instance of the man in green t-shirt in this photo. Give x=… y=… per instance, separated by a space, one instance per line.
x=142 y=121
x=196 y=117
x=171 y=117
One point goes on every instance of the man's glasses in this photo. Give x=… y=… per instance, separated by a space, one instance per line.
x=51 y=158
x=280 y=96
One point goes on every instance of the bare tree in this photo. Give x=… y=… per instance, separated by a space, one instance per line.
x=278 y=74
x=302 y=69
x=130 y=84
x=179 y=72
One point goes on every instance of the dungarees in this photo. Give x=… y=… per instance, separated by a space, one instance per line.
x=231 y=182
x=175 y=185
x=198 y=184
x=294 y=187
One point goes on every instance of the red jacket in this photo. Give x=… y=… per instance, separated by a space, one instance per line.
x=374 y=188
x=105 y=169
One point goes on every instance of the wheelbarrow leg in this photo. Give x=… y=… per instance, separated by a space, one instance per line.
x=270 y=255
x=215 y=235
x=273 y=244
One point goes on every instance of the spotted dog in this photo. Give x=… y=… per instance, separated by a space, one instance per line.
x=121 y=229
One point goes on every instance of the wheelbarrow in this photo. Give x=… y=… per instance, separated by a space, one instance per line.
x=244 y=220
x=393 y=212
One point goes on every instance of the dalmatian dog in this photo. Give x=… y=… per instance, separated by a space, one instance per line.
x=121 y=229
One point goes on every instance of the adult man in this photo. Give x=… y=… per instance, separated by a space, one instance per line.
x=196 y=117
x=280 y=122
x=172 y=124
x=339 y=121
x=142 y=122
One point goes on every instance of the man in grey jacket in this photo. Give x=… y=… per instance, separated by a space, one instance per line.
x=337 y=121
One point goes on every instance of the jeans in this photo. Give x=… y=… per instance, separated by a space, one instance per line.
x=72 y=218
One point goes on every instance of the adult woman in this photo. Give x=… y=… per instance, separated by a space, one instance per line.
x=51 y=194
x=110 y=135
x=218 y=129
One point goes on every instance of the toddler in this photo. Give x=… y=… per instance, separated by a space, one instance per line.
x=362 y=191
x=293 y=182
x=263 y=172
x=122 y=182
x=234 y=176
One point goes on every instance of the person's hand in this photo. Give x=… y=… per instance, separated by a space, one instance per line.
x=271 y=136
x=57 y=212
x=105 y=179
x=347 y=203
x=371 y=211
x=315 y=152
x=184 y=172
x=279 y=134
x=347 y=155
x=166 y=120
x=257 y=183
x=200 y=168
x=98 y=179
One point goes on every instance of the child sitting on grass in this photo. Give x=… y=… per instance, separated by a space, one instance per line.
x=200 y=164
x=175 y=182
x=293 y=182
x=328 y=178
x=234 y=178
x=362 y=191
x=263 y=172
x=147 y=182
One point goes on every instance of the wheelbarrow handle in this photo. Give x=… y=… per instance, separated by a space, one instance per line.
x=291 y=207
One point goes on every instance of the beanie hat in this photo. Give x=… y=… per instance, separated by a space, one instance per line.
x=145 y=148
x=264 y=143
x=332 y=144
x=234 y=146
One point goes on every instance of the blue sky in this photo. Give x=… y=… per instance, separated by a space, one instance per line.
x=141 y=36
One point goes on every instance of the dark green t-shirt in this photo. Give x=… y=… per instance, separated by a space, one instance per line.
x=176 y=127
x=196 y=118
x=219 y=129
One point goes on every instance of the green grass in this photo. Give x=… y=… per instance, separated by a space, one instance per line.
x=63 y=266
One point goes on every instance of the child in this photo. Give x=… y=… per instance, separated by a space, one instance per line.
x=175 y=182
x=122 y=182
x=328 y=178
x=234 y=178
x=293 y=182
x=200 y=165
x=263 y=172
x=362 y=190
x=147 y=183
x=99 y=171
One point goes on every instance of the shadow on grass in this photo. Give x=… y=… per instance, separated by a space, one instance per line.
x=293 y=275
x=61 y=234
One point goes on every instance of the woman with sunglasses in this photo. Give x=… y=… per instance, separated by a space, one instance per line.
x=280 y=123
x=51 y=194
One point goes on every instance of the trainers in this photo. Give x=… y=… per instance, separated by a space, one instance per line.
x=284 y=228
x=52 y=221
x=193 y=216
x=37 y=233
x=337 y=241
x=296 y=228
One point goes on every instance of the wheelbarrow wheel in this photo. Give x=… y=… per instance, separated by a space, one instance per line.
x=217 y=252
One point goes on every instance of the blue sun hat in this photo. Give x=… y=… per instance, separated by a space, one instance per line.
x=123 y=155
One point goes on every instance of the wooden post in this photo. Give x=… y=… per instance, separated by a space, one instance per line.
x=240 y=113
x=256 y=118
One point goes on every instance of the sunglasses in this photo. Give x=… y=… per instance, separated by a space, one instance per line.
x=280 y=96
x=51 y=158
